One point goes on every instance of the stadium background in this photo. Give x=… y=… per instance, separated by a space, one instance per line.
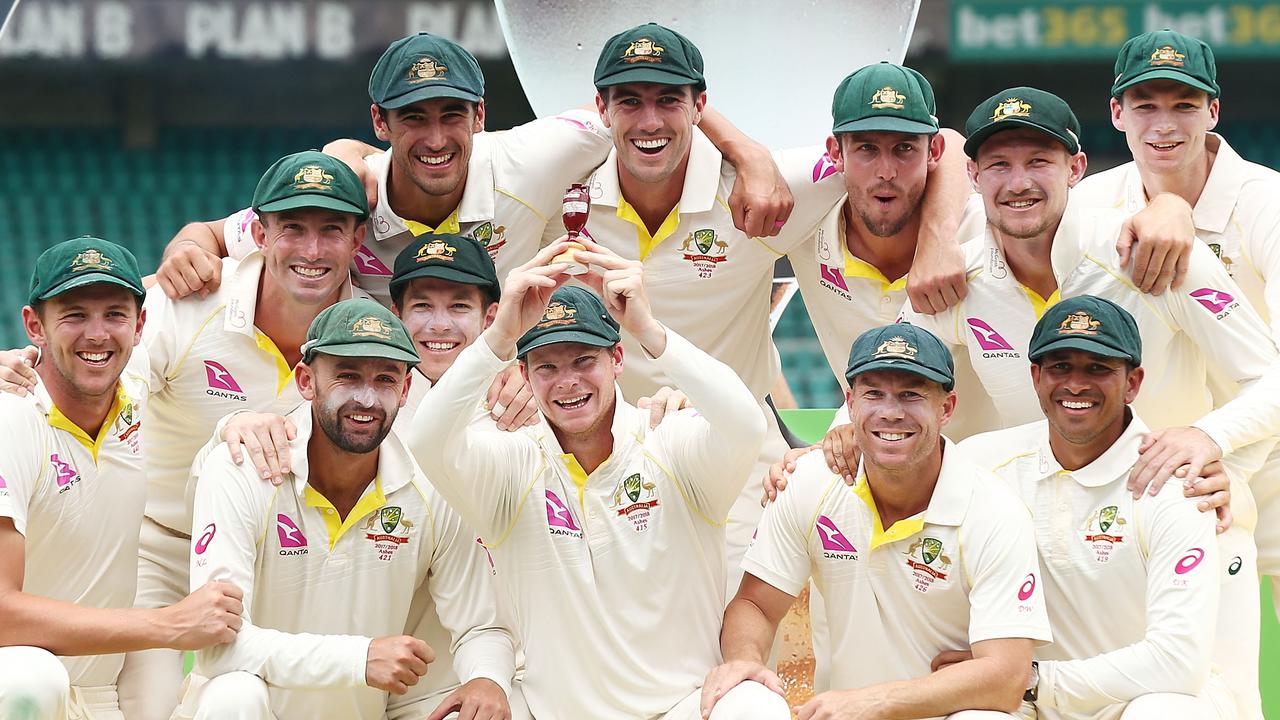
x=127 y=118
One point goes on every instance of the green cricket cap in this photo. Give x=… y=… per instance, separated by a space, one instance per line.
x=422 y=67
x=884 y=98
x=574 y=315
x=83 y=261
x=650 y=53
x=446 y=256
x=904 y=347
x=310 y=179
x=1087 y=323
x=359 y=328
x=1166 y=55
x=1022 y=107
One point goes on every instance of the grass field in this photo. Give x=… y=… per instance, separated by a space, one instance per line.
x=811 y=424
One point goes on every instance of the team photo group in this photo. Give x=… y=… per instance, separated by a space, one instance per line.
x=479 y=425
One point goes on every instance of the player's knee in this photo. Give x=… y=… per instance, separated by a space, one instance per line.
x=1164 y=706
x=751 y=700
x=33 y=684
x=234 y=696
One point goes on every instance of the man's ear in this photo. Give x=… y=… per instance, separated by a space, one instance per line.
x=305 y=378
x=381 y=128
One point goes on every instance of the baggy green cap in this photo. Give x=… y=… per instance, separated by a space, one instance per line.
x=83 y=261
x=1166 y=55
x=447 y=256
x=1022 y=107
x=650 y=53
x=422 y=67
x=884 y=98
x=574 y=315
x=310 y=179
x=1087 y=323
x=905 y=347
x=359 y=327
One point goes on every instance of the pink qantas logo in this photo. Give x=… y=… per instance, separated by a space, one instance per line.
x=368 y=264
x=558 y=514
x=289 y=534
x=3 y=484
x=64 y=472
x=1215 y=301
x=824 y=168
x=832 y=538
x=219 y=377
x=833 y=276
x=988 y=338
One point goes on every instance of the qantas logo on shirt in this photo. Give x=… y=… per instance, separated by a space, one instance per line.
x=992 y=343
x=1215 y=301
x=824 y=168
x=221 y=382
x=559 y=519
x=368 y=264
x=292 y=541
x=63 y=473
x=835 y=545
x=833 y=279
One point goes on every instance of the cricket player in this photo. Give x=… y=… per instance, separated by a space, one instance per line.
x=1129 y=583
x=1026 y=154
x=358 y=533
x=1165 y=101
x=619 y=584
x=72 y=484
x=926 y=550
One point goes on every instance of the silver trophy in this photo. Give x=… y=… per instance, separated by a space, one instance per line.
x=771 y=67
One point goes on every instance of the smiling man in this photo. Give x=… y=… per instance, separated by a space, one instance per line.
x=924 y=551
x=1123 y=582
x=607 y=534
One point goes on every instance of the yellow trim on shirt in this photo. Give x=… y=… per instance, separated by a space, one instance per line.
x=857 y=267
x=93 y=445
x=450 y=225
x=337 y=526
x=577 y=474
x=900 y=530
x=648 y=242
x=1040 y=304
x=284 y=373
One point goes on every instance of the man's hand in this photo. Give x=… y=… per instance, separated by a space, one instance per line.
x=841 y=705
x=840 y=449
x=1163 y=233
x=1184 y=451
x=525 y=295
x=621 y=286
x=208 y=616
x=731 y=674
x=761 y=200
x=188 y=268
x=949 y=657
x=479 y=699
x=353 y=153
x=937 y=279
x=1213 y=490
x=18 y=370
x=266 y=436
x=663 y=403
x=775 y=481
x=396 y=662
x=510 y=401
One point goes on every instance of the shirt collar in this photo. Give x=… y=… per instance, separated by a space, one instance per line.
x=396 y=468
x=1218 y=198
x=242 y=303
x=1108 y=467
x=1068 y=247
x=951 y=494
x=701 y=179
x=55 y=418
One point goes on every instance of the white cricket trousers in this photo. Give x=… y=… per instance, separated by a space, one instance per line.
x=34 y=686
x=752 y=701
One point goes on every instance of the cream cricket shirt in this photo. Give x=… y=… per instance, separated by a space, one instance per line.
x=1205 y=326
x=318 y=588
x=78 y=502
x=207 y=360
x=516 y=180
x=1129 y=583
x=706 y=279
x=617 y=577
x=961 y=572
